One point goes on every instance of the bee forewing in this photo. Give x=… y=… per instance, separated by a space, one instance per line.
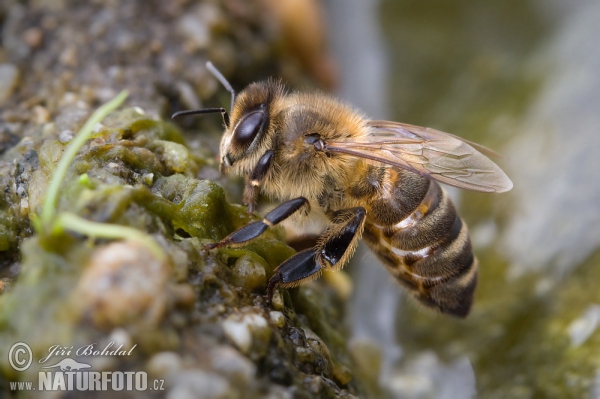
x=399 y=129
x=438 y=155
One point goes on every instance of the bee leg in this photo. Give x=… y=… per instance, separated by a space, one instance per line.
x=253 y=230
x=337 y=245
x=256 y=178
x=294 y=271
x=333 y=250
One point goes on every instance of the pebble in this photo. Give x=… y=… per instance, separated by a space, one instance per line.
x=241 y=329
x=174 y=155
x=65 y=136
x=233 y=365
x=33 y=37
x=68 y=57
x=165 y=363
x=24 y=207
x=123 y=282
x=277 y=301
x=197 y=33
x=9 y=79
x=148 y=179
x=248 y=272
x=277 y=318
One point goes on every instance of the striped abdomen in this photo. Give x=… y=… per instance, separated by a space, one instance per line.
x=415 y=231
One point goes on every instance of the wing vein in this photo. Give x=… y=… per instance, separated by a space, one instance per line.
x=429 y=152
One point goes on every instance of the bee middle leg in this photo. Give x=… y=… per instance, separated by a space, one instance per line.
x=255 y=229
x=333 y=250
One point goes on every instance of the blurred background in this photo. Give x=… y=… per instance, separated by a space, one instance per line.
x=523 y=78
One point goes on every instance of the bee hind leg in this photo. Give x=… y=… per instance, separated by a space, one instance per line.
x=294 y=271
x=333 y=250
x=338 y=243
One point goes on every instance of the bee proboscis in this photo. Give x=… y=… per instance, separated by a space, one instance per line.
x=363 y=178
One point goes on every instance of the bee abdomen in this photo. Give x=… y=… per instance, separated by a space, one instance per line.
x=430 y=253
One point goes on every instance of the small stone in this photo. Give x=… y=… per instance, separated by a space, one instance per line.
x=25 y=144
x=68 y=56
x=277 y=318
x=247 y=272
x=9 y=79
x=242 y=330
x=98 y=127
x=196 y=26
x=48 y=129
x=174 y=155
x=65 y=136
x=182 y=295
x=148 y=178
x=40 y=115
x=123 y=282
x=233 y=365
x=277 y=301
x=139 y=110
x=314 y=384
x=97 y=142
x=33 y=37
x=239 y=334
x=120 y=336
x=24 y=207
x=322 y=364
x=164 y=364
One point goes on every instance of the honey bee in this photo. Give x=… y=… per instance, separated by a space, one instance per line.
x=364 y=178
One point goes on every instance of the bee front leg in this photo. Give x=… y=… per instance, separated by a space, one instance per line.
x=255 y=229
x=333 y=250
x=256 y=178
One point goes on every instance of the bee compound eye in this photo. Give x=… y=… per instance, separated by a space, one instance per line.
x=248 y=128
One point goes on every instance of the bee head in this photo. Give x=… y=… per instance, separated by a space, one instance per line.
x=245 y=139
x=246 y=129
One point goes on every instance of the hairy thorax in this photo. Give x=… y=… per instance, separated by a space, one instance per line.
x=300 y=168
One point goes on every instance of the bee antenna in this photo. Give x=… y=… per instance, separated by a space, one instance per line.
x=223 y=112
x=221 y=78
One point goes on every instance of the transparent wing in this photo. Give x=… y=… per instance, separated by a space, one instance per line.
x=429 y=152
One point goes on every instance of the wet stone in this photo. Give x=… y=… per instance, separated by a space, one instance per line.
x=197 y=318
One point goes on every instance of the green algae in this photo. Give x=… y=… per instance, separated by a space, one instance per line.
x=137 y=171
x=126 y=183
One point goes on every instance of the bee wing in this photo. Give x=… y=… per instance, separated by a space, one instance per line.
x=429 y=152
